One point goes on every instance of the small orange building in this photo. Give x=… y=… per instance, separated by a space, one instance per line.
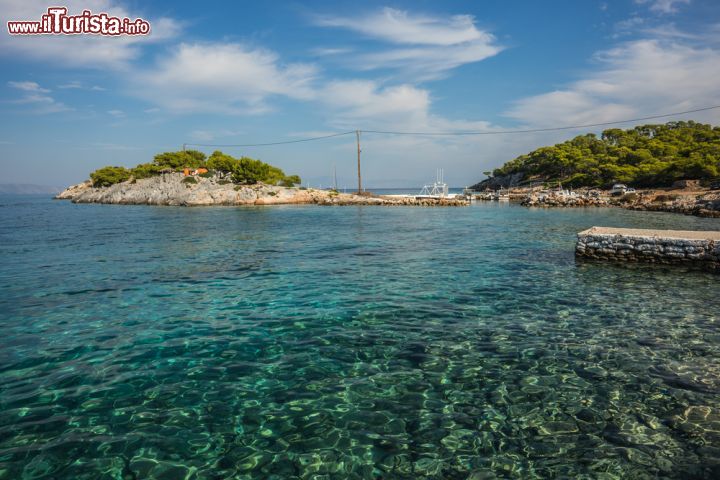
x=198 y=171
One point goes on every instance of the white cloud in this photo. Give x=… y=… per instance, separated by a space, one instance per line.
x=367 y=104
x=28 y=87
x=663 y=6
x=71 y=85
x=107 y=146
x=323 y=52
x=312 y=133
x=116 y=113
x=223 y=78
x=93 y=51
x=202 y=135
x=628 y=26
x=659 y=28
x=670 y=31
x=427 y=46
x=37 y=98
x=401 y=27
x=77 y=85
x=42 y=104
x=636 y=79
x=209 y=135
x=428 y=62
x=366 y=101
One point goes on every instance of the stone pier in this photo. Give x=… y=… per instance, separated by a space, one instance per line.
x=692 y=248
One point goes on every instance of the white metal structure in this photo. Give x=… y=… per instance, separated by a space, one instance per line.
x=439 y=189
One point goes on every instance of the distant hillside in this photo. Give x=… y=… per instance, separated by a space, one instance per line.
x=27 y=189
x=645 y=156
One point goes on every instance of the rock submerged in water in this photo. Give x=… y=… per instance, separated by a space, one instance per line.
x=174 y=189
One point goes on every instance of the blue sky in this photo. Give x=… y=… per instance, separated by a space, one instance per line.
x=248 y=72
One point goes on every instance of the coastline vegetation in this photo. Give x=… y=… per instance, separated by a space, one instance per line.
x=644 y=156
x=241 y=170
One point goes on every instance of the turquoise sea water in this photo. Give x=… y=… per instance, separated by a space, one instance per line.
x=348 y=342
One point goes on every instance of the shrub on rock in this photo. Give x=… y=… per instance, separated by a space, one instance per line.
x=106 y=176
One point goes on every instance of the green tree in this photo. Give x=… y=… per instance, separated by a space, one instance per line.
x=221 y=162
x=180 y=160
x=291 y=181
x=106 y=176
x=248 y=170
x=145 y=170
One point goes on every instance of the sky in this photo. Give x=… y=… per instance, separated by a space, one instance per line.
x=240 y=72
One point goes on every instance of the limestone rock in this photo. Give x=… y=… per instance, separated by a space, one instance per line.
x=74 y=190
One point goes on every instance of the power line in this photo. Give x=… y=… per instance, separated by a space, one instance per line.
x=270 y=143
x=484 y=132
x=549 y=129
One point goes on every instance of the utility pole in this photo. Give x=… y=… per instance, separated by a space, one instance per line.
x=357 y=134
x=184 y=145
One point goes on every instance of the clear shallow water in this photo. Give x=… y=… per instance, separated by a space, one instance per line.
x=343 y=342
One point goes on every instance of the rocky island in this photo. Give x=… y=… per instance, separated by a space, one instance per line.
x=170 y=189
x=187 y=178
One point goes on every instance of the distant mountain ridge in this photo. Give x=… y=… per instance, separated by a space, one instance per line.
x=27 y=189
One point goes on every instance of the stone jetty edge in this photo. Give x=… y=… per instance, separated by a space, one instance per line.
x=692 y=248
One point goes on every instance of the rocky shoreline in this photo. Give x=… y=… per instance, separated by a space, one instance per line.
x=175 y=189
x=555 y=200
x=699 y=203
x=703 y=205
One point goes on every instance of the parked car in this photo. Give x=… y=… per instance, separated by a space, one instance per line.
x=618 y=189
x=715 y=186
x=629 y=190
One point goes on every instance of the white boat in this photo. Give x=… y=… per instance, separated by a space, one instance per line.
x=501 y=197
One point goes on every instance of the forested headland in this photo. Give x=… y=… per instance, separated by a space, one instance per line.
x=644 y=156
